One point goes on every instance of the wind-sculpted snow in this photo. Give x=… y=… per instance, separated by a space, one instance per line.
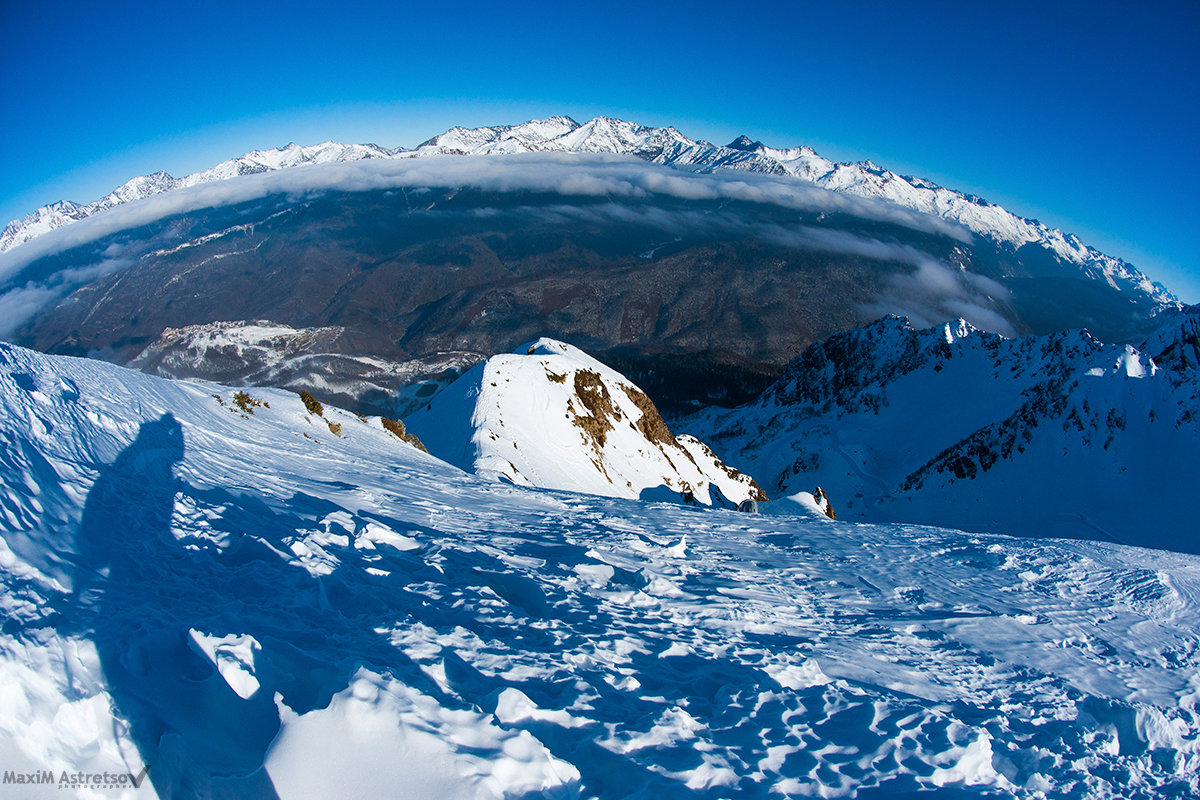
x=256 y=606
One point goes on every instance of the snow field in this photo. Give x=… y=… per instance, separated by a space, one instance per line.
x=413 y=629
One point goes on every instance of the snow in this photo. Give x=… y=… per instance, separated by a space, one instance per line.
x=550 y=415
x=514 y=641
x=233 y=656
x=1058 y=435
x=389 y=740
x=264 y=353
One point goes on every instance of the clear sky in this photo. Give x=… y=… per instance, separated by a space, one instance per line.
x=1083 y=115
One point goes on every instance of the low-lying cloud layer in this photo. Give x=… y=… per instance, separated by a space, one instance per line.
x=565 y=174
x=936 y=292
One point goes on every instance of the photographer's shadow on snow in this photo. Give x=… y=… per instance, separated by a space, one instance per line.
x=155 y=597
x=139 y=592
x=152 y=598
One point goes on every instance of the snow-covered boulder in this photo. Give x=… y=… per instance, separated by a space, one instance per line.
x=550 y=415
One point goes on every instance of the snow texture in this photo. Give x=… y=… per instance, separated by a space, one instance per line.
x=416 y=631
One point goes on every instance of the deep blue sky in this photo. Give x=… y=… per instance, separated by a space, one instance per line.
x=1083 y=115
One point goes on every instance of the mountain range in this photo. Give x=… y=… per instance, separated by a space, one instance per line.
x=1056 y=435
x=658 y=145
x=697 y=270
x=723 y=471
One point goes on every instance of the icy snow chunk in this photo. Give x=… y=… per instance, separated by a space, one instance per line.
x=390 y=740
x=674 y=725
x=373 y=534
x=799 y=676
x=679 y=550
x=233 y=656
x=514 y=706
x=597 y=575
x=973 y=766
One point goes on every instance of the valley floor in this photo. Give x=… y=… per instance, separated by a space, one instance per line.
x=259 y=605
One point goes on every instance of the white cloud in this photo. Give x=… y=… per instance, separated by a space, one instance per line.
x=564 y=174
x=934 y=293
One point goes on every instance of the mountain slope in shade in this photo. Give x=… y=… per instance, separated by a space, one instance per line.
x=257 y=606
x=1044 y=436
x=659 y=145
x=552 y=416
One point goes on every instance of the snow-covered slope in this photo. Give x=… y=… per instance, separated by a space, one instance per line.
x=257 y=606
x=1047 y=436
x=659 y=145
x=550 y=415
x=319 y=360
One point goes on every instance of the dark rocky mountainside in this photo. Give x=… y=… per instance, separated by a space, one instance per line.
x=699 y=300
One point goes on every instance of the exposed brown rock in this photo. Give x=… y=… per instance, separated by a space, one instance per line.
x=823 y=501
x=590 y=390
x=397 y=429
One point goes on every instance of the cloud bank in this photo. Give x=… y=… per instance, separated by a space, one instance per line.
x=565 y=174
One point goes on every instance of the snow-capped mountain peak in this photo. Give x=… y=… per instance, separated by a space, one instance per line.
x=1051 y=435
x=744 y=142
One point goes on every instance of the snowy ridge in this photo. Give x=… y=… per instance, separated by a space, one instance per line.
x=659 y=145
x=54 y=216
x=256 y=605
x=549 y=415
x=1051 y=435
x=1175 y=345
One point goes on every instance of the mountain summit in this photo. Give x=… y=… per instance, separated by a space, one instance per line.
x=549 y=415
x=743 y=142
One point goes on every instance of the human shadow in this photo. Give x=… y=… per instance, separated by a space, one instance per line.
x=146 y=593
x=142 y=586
x=199 y=738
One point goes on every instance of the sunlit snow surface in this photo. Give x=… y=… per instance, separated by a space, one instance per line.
x=383 y=625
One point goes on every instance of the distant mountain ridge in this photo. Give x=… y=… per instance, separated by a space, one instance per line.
x=665 y=146
x=1050 y=435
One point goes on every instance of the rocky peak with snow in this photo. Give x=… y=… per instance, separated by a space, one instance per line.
x=551 y=416
x=48 y=218
x=659 y=145
x=1053 y=435
x=744 y=142
x=1175 y=344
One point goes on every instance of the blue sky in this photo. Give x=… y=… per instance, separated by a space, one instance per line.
x=1082 y=115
